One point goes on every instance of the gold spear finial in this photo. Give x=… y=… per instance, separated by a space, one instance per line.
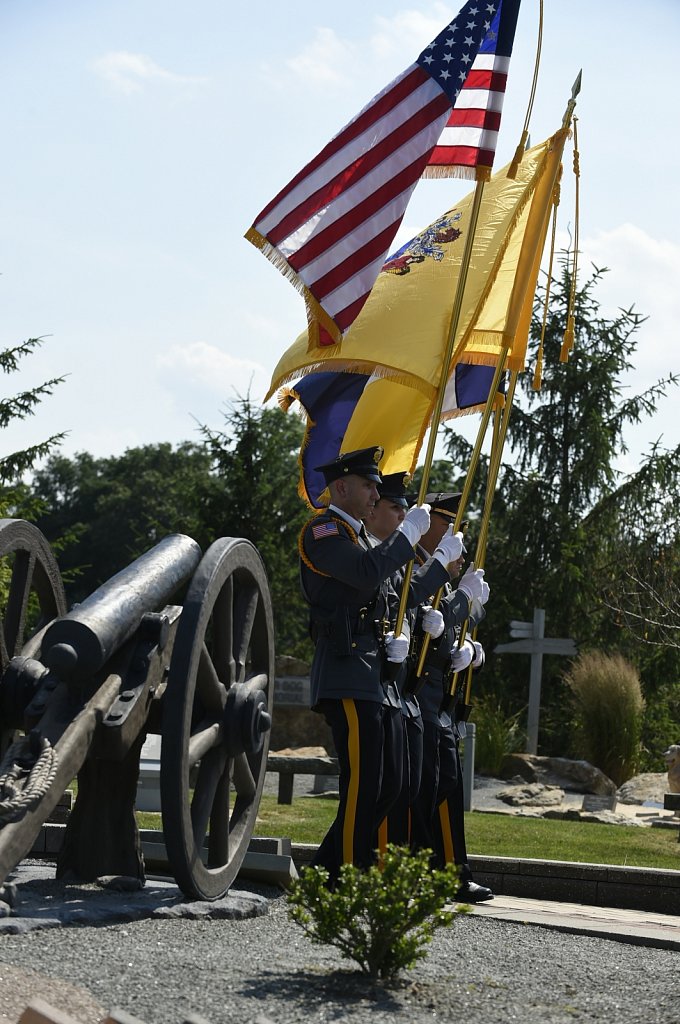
x=575 y=90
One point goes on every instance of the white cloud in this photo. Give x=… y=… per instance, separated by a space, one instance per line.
x=331 y=61
x=207 y=367
x=643 y=272
x=328 y=60
x=129 y=72
x=407 y=31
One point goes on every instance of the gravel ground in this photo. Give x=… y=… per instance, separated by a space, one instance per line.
x=265 y=969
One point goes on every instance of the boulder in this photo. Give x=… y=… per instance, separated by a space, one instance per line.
x=287 y=665
x=572 y=776
x=646 y=788
x=531 y=794
x=300 y=752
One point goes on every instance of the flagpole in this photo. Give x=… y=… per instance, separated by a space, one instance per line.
x=444 y=375
x=467 y=486
x=492 y=479
x=494 y=467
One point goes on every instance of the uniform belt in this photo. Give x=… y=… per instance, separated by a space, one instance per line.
x=362 y=626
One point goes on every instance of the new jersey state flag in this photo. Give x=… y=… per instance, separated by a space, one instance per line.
x=403 y=329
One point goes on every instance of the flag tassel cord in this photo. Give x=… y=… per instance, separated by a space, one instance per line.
x=447 y=359
x=568 y=342
x=521 y=146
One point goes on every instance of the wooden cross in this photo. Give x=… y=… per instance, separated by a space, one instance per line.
x=530 y=639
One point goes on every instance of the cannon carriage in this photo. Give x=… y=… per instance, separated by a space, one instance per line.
x=81 y=690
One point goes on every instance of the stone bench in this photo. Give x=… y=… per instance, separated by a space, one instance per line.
x=288 y=766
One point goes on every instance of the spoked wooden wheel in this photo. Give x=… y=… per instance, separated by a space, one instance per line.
x=216 y=719
x=36 y=593
x=34 y=596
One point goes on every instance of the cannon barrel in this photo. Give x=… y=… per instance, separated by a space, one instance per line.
x=80 y=643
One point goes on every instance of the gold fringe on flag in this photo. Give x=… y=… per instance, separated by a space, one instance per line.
x=449 y=171
x=316 y=314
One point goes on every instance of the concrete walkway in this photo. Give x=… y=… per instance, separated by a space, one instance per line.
x=637 y=927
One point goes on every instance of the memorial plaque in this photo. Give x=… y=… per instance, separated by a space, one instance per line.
x=592 y=802
x=291 y=692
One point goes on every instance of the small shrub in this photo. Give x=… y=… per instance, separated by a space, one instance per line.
x=382 y=918
x=608 y=706
x=497 y=734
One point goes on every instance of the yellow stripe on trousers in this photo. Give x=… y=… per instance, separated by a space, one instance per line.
x=353 y=788
x=382 y=842
x=445 y=822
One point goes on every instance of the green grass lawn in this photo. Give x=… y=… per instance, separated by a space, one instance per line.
x=492 y=835
x=505 y=835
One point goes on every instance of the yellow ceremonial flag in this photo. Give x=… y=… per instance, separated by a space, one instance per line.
x=395 y=414
x=399 y=415
x=402 y=331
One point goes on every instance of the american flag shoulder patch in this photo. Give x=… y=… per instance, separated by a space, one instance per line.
x=322 y=530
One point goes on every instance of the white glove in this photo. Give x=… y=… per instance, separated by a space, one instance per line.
x=450 y=547
x=415 y=523
x=478 y=659
x=396 y=647
x=433 y=621
x=472 y=584
x=461 y=657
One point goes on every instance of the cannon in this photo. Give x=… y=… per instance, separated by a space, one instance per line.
x=81 y=690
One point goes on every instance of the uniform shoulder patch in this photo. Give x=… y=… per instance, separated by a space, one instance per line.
x=321 y=530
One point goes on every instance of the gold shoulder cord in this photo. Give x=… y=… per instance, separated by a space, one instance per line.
x=301 y=550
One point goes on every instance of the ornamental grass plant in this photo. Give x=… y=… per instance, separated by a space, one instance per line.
x=608 y=710
x=383 y=918
x=497 y=734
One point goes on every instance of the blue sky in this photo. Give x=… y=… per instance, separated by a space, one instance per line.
x=142 y=138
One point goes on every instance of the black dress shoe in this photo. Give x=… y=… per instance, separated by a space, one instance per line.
x=470 y=892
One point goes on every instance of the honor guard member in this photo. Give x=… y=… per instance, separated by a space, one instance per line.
x=344 y=579
x=438 y=813
x=388 y=513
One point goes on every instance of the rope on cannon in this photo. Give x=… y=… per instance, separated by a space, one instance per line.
x=31 y=760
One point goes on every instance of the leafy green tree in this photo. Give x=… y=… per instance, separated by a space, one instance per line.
x=239 y=482
x=255 y=459
x=114 y=509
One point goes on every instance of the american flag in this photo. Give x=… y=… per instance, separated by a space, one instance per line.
x=468 y=143
x=330 y=229
x=322 y=530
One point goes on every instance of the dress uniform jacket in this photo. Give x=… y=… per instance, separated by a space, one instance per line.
x=344 y=579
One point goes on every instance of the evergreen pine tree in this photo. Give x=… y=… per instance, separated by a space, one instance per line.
x=563 y=516
x=15 y=499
